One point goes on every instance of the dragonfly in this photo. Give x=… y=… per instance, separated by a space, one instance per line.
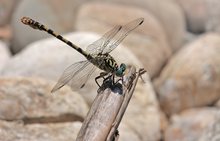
x=96 y=54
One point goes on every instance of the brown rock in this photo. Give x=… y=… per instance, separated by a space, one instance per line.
x=217 y=104
x=201 y=15
x=30 y=100
x=196 y=14
x=4 y=55
x=167 y=12
x=5 y=33
x=126 y=133
x=36 y=105
x=147 y=41
x=191 y=77
x=171 y=18
x=190 y=124
x=164 y=122
x=213 y=21
x=15 y=131
x=213 y=131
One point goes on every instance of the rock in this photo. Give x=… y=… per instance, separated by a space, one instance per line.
x=217 y=104
x=201 y=15
x=148 y=42
x=189 y=37
x=33 y=105
x=4 y=54
x=15 y=131
x=30 y=100
x=173 y=20
x=49 y=58
x=62 y=17
x=58 y=15
x=10 y=131
x=196 y=14
x=164 y=122
x=190 y=124
x=5 y=33
x=143 y=114
x=190 y=78
x=126 y=133
x=213 y=22
x=7 y=7
x=213 y=131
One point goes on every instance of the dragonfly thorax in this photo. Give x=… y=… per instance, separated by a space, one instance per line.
x=108 y=64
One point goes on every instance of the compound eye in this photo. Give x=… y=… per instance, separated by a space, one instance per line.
x=123 y=67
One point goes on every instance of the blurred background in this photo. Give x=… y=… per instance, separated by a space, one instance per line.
x=178 y=44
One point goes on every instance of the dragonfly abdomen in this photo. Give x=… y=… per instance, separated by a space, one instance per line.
x=36 y=25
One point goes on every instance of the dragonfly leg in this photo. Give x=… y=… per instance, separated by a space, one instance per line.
x=121 y=79
x=113 y=79
x=102 y=74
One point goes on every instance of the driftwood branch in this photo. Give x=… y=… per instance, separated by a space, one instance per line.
x=108 y=108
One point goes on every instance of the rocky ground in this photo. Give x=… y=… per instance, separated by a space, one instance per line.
x=178 y=44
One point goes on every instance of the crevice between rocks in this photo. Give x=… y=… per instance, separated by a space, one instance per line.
x=52 y=119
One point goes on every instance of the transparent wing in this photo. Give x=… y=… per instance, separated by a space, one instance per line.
x=97 y=46
x=82 y=77
x=119 y=37
x=71 y=73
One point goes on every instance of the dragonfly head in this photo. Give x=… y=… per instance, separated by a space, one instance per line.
x=120 y=71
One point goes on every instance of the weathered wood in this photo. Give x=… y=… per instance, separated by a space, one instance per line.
x=129 y=87
x=107 y=110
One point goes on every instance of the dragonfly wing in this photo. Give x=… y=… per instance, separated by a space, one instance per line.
x=69 y=74
x=119 y=37
x=97 y=46
x=82 y=77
